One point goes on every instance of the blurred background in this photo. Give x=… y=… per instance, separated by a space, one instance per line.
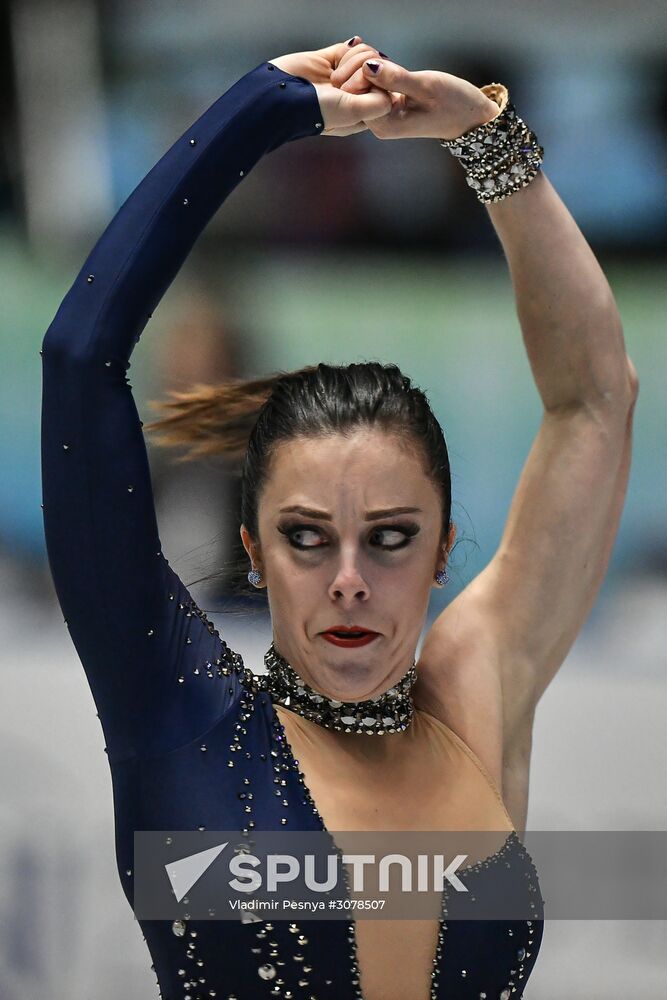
x=334 y=250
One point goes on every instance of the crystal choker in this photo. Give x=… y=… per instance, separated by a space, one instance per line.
x=389 y=712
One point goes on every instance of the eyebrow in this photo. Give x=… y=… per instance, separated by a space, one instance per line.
x=372 y=515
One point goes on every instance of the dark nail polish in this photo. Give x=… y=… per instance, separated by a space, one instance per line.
x=352 y=40
x=384 y=55
x=373 y=66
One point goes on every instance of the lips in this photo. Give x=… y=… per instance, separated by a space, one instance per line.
x=349 y=636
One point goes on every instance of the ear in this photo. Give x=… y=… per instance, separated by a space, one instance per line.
x=252 y=548
x=447 y=547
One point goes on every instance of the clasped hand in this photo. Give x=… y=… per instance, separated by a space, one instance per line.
x=393 y=103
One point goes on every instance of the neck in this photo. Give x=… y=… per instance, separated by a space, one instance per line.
x=389 y=712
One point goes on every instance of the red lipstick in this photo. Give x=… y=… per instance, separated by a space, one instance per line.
x=349 y=636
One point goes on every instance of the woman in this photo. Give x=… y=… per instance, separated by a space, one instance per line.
x=346 y=521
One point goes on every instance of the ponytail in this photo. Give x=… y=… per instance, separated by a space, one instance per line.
x=213 y=419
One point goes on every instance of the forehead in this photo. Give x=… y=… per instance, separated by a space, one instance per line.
x=370 y=467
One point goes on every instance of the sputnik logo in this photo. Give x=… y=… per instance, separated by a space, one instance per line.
x=184 y=873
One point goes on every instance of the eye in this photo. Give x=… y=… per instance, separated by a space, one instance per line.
x=301 y=536
x=393 y=536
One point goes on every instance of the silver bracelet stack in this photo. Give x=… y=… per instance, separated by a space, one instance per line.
x=502 y=155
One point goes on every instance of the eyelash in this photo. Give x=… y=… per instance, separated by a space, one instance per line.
x=409 y=530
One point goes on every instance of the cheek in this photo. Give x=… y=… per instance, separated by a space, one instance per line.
x=407 y=588
x=294 y=585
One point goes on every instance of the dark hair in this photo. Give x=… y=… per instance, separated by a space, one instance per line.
x=246 y=419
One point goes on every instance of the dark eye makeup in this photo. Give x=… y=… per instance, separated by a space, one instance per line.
x=408 y=530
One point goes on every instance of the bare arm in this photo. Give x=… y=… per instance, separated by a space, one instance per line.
x=524 y=610
x=570 y=324
x=565 y=513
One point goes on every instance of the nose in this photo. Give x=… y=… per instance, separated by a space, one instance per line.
x=348 y=586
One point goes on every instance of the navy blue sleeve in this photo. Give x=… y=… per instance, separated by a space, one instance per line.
x=155 y=665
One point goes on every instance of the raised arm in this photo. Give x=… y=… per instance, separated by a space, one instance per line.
x=541 y=584
x=157 y=669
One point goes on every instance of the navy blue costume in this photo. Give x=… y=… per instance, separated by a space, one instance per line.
x=191 y=741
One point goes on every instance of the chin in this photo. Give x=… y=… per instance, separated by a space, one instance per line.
x=354 y=669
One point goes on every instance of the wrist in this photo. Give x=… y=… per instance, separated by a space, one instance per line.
x=493 y=100
x=481 y=115
x=499 y=156
x=479 y=107
x=492 y=110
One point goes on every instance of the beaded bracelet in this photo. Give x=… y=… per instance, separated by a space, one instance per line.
x=502 y=155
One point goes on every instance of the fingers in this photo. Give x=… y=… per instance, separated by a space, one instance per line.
x=334 y=53
x=350 y=62
x=349 y=111
x=392 y=77
x=368 y=107
x=357 y=83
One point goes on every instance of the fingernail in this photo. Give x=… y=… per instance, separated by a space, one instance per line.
x=352 y=40
x=384 y=55
x=374 y=66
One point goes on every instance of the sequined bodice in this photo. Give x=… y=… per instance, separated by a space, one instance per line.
x=264 y=789
x=191 y=742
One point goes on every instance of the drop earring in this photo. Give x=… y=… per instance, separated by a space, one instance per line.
x=254 y=577
x=441 y=577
